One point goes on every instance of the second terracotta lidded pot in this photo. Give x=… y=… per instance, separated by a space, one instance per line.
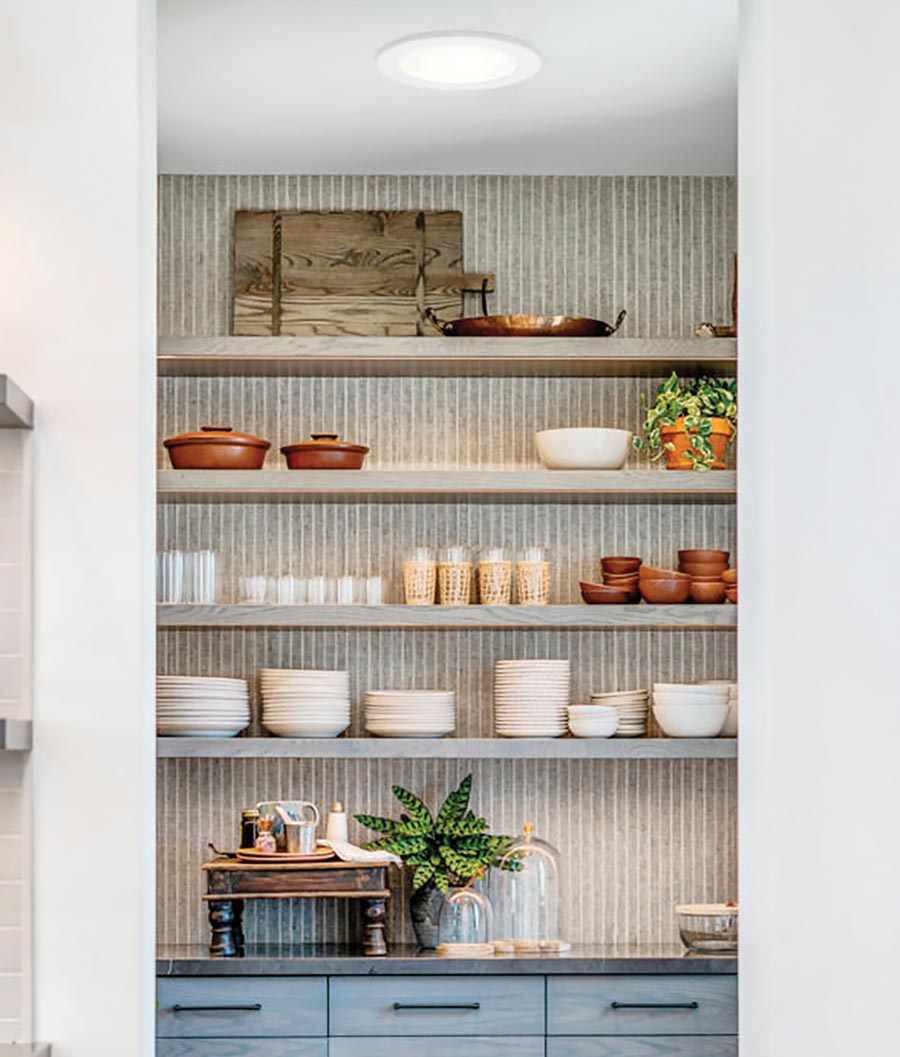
x=324 y=451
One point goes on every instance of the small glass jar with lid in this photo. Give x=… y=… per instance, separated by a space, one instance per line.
x=528 y=897
x=466 y=927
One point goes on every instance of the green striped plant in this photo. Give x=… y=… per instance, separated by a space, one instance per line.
x=446 y=850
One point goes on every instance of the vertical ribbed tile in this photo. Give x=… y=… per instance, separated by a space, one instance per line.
x=659 y=246
x=636 y=837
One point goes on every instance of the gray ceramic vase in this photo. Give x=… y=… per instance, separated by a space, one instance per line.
x=425 y=911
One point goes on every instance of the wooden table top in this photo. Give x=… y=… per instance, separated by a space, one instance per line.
x=236 y=866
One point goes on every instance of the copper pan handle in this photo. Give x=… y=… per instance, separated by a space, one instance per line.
x=619 y=318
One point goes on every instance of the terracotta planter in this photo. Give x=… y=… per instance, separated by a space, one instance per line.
x=677 y=436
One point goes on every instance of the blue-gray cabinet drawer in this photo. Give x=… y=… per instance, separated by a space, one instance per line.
x=446 y=1046
x=225 y=1007
x=440 y=1005
x=242 y=1048
x=643 y=1046
x=642 y=1005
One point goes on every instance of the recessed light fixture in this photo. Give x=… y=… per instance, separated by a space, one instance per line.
x=458 y=61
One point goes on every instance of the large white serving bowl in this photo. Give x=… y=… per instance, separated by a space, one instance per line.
x=713 y=689
x=690 y=700
x=691 y=721
x=583 y=448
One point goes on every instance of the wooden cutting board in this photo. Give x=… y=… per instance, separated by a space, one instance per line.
x=365 y=273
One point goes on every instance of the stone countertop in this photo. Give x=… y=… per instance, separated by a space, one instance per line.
x=335 y=960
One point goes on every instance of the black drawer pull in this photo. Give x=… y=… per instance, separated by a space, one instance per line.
x=254 y=1008
x=437 y=1005
x=654 y=1005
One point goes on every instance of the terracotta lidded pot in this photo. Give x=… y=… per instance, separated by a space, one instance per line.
x=324 y=451
x=217 y=448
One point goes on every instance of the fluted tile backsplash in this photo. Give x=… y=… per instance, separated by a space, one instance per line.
x=636 y=837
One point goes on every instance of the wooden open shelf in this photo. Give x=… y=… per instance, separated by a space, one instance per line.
x=450 y=748
x=442 y=357
x=475 y=616
x=565 y=484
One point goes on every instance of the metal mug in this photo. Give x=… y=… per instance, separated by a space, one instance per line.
x=300 y=837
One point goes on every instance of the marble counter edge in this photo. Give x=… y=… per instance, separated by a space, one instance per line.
x=412 y=965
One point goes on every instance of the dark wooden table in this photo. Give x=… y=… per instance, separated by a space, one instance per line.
x=230 y=882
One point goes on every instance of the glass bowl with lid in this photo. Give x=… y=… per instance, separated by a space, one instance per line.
x=708 y=928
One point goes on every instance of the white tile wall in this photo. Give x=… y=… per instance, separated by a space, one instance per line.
x=15 y=701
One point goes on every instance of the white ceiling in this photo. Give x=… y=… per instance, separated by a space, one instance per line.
x=275 y=86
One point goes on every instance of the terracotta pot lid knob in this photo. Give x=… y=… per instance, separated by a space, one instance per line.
x=216 y=429
x=324 y=436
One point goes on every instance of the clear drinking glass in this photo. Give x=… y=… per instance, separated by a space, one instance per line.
x=454 y=575
x=533 y=577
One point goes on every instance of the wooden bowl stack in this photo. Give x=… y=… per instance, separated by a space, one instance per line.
x=705 y=569
x=622 y=573
x=729 y=578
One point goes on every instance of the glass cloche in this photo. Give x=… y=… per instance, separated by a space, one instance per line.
x=466 y=924
x=528 y=897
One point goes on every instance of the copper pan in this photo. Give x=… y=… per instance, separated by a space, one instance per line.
x=486 y=326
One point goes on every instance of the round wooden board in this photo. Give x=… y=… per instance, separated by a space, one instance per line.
x=279 y=858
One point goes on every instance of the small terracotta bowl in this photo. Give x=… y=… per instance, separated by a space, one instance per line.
x=707 y=579
x=703 y=568
x=703 y=556
x=731 y=594
x=730 y=576
x=324 y=452
x=620 y=578
x=708 y=594
x=648 y=572
x=666 y=592
x=600 y=594
x=620 y=565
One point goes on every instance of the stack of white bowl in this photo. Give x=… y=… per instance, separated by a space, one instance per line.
x=531 y=698
x=691 y=710
x=731 y=723
x=593 y=721
x=631 y=707
x=298 y=703
x=198 y=707
x=410 y=713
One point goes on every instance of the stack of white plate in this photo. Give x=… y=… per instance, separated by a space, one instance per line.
x=593 y=721
x=531 y=698
x=198 y=707
x=298 y=703
x=632 y=706
x=410 y=713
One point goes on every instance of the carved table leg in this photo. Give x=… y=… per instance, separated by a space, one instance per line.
x=373 y=932
x=222 y=921
x=238 y=926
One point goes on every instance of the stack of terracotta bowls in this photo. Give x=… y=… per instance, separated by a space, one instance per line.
x=705 y=569
x=662 y=587
x=729 y=578
x=620 y=582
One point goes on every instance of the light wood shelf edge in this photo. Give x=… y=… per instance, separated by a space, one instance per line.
x=16 y=408
x=449 y=748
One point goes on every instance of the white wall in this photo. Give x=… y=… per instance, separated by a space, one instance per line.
x=76 y=332
x=820 y=708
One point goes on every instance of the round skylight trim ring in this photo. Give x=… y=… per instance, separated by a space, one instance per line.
x=526 y=60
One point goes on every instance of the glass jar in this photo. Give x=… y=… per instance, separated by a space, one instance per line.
x=466 y=924
x=533 y=577
x=420 y=577
x=454 y=574
x=528 y=895
x=494 y=577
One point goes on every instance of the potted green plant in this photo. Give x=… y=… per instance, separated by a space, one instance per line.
x=693 y=420
x=443 y=851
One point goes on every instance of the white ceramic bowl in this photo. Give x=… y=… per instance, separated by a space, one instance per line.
x=583 y=449
x=691 y=721
x=592 y=731
x=713 y=689
x=690 y=700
